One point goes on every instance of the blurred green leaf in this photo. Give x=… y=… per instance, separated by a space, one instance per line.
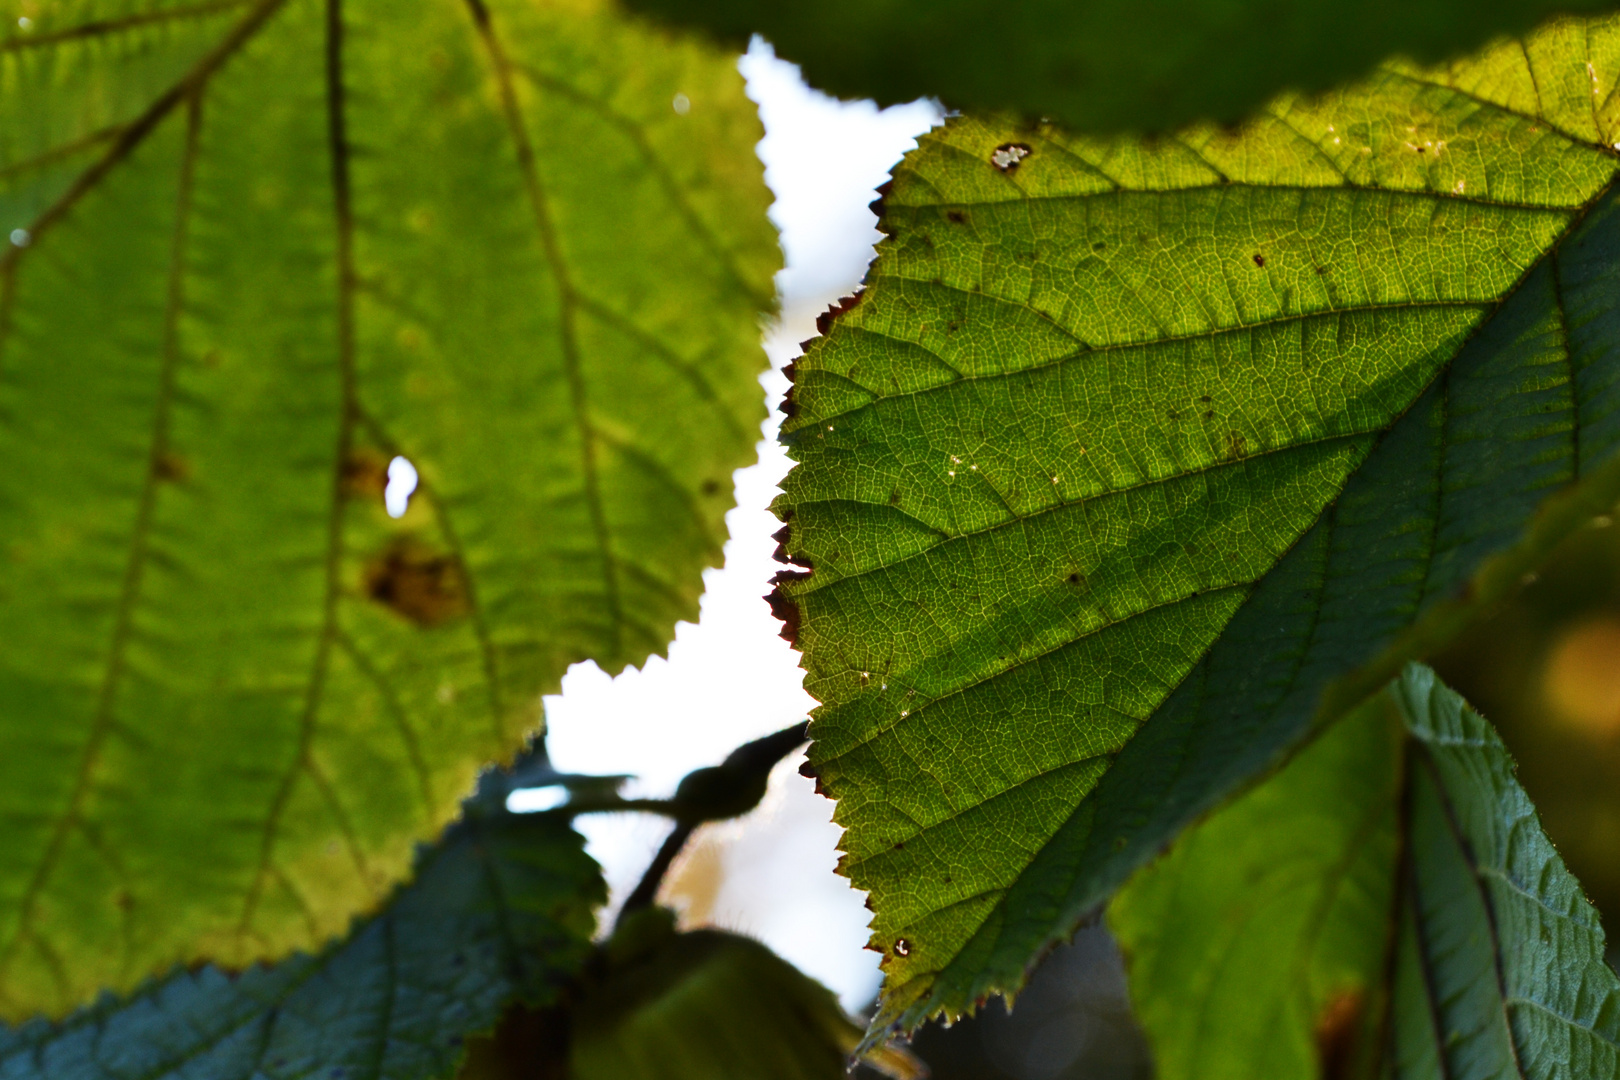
x=704 y=1005
x=501 y=911
x=1390 y=890
x=1137 y=460
x=1106 y=65
x=258 y=248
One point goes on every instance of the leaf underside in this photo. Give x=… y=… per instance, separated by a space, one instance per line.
x=1434 y=928
x=500 y=911
x=1105 y=66
x=260 y=248
x=1136 y=459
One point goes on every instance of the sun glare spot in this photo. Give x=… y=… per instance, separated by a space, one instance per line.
x=401 y=483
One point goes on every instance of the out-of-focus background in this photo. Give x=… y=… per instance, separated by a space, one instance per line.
x=1546 y=669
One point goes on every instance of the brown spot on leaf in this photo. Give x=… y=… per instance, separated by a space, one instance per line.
x=883 y=192
x=711 y=488
x=365 y=474
x=781 y=537
x=825 y=320
x=425 y=586
x=1259 y=259
x=788 y=408
x=171 y=467
x=1338 y=1027
x=783 y=606
x=956 y=216
x=1236 y=445
x=894 y=497
x=807 y=770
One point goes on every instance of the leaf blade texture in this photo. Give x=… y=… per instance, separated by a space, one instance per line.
x=258 y=250
x=1105 y=66
x=1136 y=457
x=500 y=911
x=1460 y=920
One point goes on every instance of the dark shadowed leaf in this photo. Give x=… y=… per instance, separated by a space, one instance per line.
x=1106 y=65
x=259 y=248
x=705 y=1005
x=1138 y=459
x=500 y=912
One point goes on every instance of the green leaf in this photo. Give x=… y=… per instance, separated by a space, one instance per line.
x=703 y=1005
x=1106 y=65
x=262 y=247
x=1268 y=924
x=500 y=911
x=1136 y=460
x=1308 y=947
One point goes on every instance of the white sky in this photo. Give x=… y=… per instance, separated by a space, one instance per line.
x=730 y=678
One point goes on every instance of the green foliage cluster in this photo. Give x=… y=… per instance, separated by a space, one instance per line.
x=1129 y=492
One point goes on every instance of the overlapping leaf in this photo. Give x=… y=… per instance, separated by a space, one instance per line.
x=500 y=912
x=1433 y=926
x=1106 y=65
x=1136 y=458
x=258 y=248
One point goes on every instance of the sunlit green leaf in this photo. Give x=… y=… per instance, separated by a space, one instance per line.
x=1106 y=65
x=1388 y=894
x=500 y=912
x=258 y=249
x=1136 y=459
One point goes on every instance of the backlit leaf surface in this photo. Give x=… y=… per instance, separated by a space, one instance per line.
x=1305 y=944
x=257 y=249
x=1137 y=457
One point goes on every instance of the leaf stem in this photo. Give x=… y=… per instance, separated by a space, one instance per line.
x=647 y=889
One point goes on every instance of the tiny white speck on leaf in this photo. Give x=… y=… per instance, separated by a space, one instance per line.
x=21 y=237
x=25 y=23
x=682 y=104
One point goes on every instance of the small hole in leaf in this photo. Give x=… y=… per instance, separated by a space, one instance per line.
x=401 y=483
x=902 y=947
x=1008 y=156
